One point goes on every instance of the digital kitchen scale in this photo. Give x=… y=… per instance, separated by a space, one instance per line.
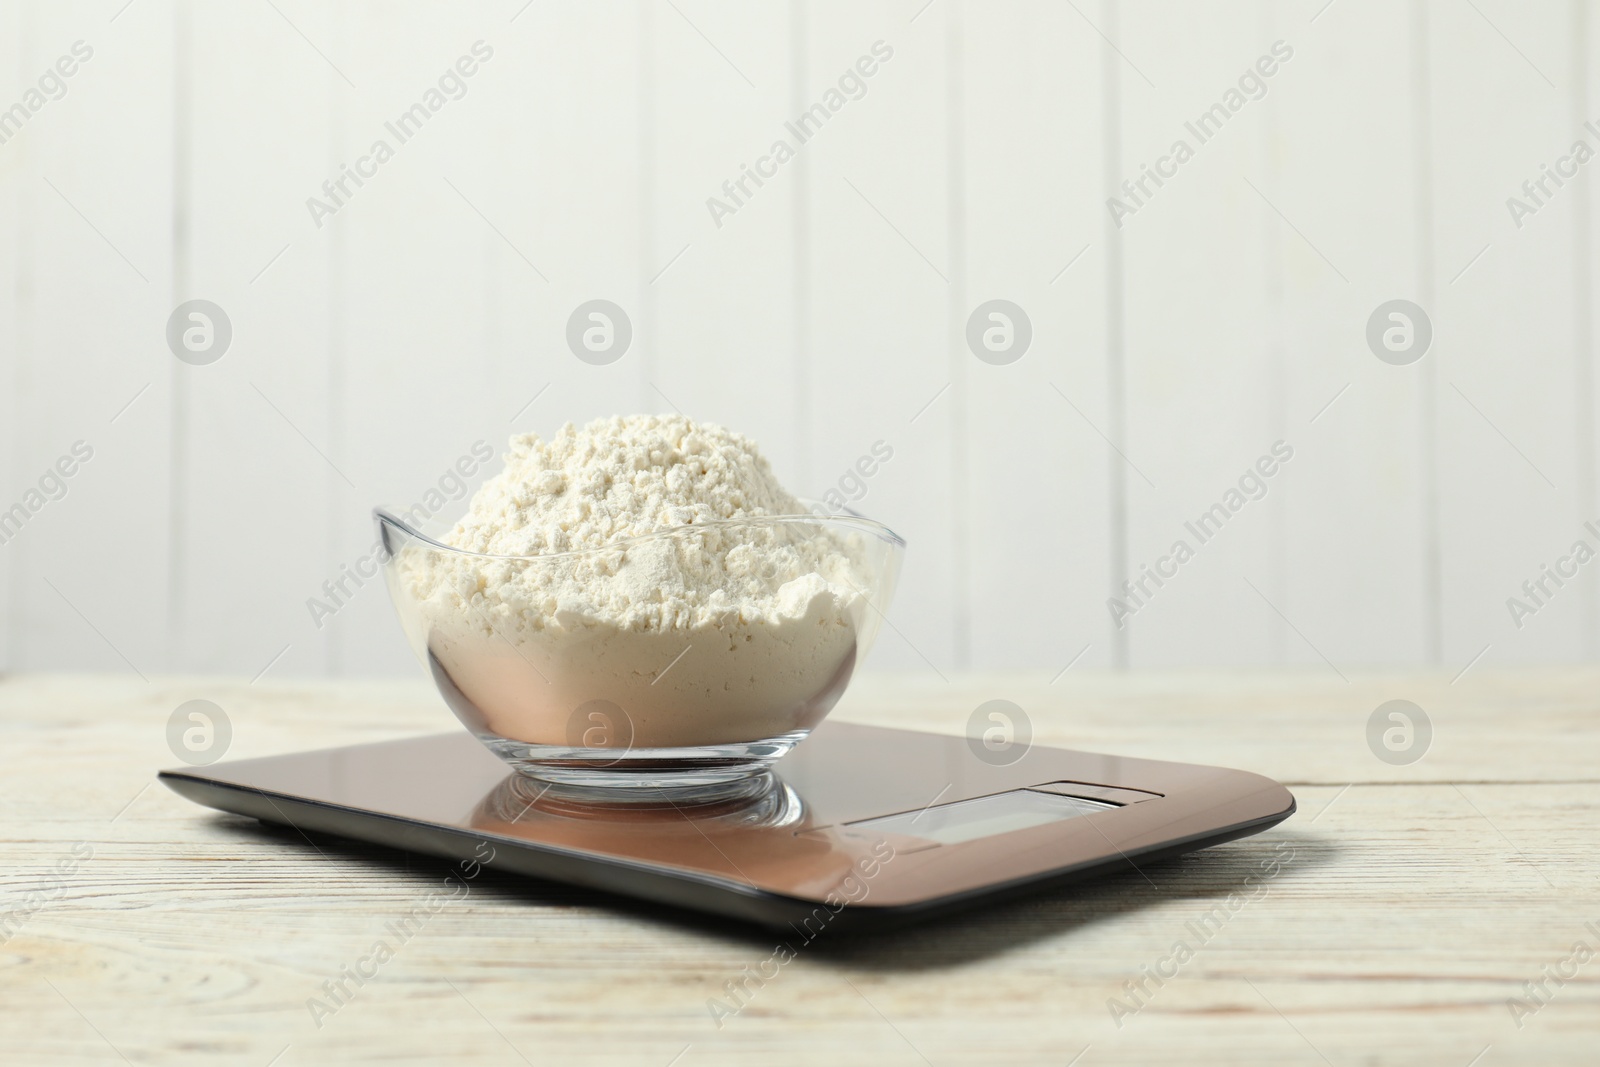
x=861 y=827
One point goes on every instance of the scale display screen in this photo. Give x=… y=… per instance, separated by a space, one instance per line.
x=968 y=820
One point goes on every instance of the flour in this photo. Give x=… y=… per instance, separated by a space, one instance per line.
x=756 y=620
x=623 y=478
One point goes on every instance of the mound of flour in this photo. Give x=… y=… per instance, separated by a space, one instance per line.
x=623 y=478
x=762 y=616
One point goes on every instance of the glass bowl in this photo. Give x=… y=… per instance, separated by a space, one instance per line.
x=675 y=693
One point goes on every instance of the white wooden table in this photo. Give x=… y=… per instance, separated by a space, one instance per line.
x=1416 y=901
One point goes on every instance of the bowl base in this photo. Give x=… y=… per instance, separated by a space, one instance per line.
x=692 y=774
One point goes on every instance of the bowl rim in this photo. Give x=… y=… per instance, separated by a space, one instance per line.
x=846 y=518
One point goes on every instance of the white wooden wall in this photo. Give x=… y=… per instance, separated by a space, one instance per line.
x=827 y=314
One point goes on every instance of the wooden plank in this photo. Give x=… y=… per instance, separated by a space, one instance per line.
x=439 y=263
x=89 y=571
x=525 y=205
x=1402 y=917
x=1343 y=160
x=1036 y=517
x=563 y=183
x=257 y=424
x=1507 y=432
x=15 y=319
x=716 y=293
x=881 y=256
x=1197 y=356
x=1303 y=725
